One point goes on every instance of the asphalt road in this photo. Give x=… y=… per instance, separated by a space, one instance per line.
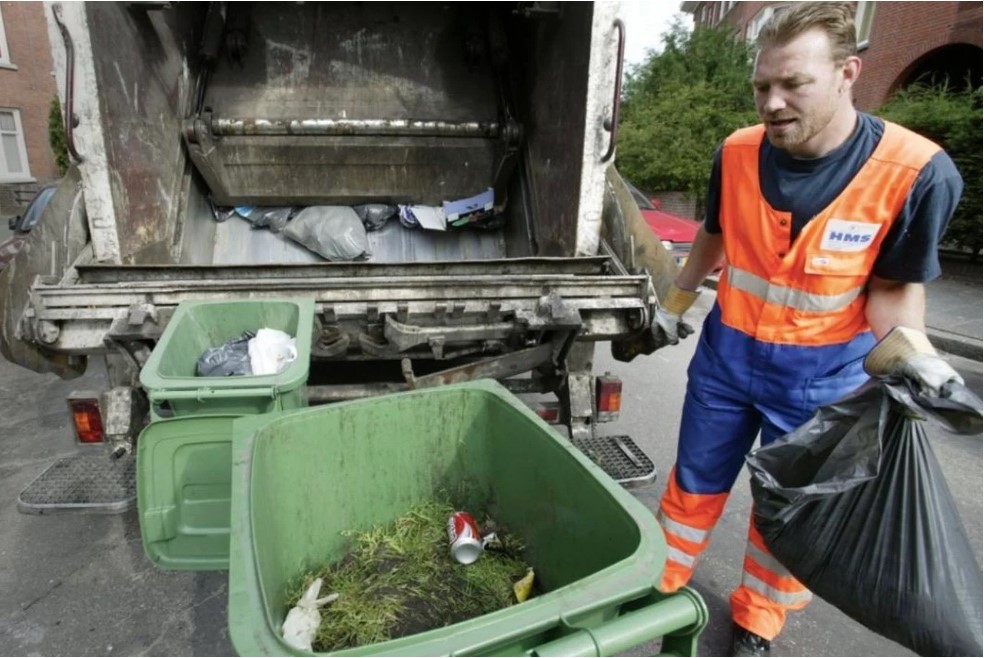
x=75 y=584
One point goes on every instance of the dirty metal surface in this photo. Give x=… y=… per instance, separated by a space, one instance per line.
x=88 y=481
x=237 y=243
x=620 y=457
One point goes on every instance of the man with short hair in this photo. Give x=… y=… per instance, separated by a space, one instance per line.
x=830 y=221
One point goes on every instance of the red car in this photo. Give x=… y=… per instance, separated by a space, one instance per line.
x=676 y=233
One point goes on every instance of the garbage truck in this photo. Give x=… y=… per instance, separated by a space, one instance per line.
x=178 y=113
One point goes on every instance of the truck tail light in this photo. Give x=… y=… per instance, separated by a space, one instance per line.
x=87 y=419
x=609 y=394
x=548 y=412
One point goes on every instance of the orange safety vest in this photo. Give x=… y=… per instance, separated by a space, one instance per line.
x=811 y=292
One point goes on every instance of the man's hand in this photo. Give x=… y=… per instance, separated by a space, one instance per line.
x=929 y=371
x=669 y=328
x=668 y=324
x=908 y=353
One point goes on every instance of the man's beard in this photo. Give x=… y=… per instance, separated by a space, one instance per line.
x=801 y=130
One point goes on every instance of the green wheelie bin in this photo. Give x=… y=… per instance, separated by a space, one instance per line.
x=303 y=481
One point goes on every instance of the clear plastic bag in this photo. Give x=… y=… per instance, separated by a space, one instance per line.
x=334 y=232
x=855 y=506
x=271 y=351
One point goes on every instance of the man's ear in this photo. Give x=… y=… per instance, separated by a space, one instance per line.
x=850 y=72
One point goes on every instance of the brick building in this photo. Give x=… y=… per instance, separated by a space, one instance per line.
x=27 y=85
x=899 y=42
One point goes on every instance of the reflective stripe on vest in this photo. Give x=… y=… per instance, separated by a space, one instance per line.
x=791 y=297
x=809 y=291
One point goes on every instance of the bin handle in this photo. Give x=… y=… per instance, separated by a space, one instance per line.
x=678 y=619
x=206 y=393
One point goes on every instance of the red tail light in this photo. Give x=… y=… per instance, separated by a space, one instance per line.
x=87 y=419
x=551 y=414
x=609 y=394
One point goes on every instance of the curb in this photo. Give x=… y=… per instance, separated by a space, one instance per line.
x=951 y=343
x=944 y=341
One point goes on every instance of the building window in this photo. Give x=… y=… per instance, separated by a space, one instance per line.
x=4 y=53
x=13 y=153
x=862 y=21
x=754 y=26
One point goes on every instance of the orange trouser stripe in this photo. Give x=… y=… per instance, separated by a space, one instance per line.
x=767 y=591
x=687 y=520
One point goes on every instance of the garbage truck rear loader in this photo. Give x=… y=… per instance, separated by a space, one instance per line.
x=176 y=112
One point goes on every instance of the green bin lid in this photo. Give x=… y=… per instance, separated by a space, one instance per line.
x=184 y=471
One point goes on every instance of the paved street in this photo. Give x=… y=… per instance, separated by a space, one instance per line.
x=80 y=585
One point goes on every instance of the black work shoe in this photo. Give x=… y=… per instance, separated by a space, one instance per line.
x=747 y=643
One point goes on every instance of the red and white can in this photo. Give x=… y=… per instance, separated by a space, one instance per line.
x=465 y=540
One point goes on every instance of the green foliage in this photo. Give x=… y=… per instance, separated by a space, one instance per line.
x=56 y=136
x=679 y=106
x=951 y=118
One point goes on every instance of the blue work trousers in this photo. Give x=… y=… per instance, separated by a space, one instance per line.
x=738 y=386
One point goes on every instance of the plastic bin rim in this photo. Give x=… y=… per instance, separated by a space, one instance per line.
x=292 y=377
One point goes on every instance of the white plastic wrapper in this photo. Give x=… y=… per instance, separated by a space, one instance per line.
x=271 y=351
x=303 y=619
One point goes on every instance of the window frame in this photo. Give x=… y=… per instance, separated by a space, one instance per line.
x=864 y=19
x=761 y=17
x=22 y=176
x=5 y=61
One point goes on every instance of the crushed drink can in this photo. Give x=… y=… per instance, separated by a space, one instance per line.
x=464 y=537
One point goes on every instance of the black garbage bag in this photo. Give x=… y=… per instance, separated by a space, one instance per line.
x=855 y=506
x=227 y=360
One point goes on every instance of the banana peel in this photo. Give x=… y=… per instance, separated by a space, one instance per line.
x=523 y=587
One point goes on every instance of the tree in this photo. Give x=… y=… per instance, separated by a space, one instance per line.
x=680 y=104
x=56 y=136
x=951 y=118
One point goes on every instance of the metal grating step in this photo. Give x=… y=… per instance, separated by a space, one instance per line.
x=620 y=457
x=89 y=482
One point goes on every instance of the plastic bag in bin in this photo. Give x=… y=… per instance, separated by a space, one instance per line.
x=855 y=506
x=230 y=359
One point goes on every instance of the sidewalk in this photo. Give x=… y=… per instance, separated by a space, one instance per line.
x=954 y=312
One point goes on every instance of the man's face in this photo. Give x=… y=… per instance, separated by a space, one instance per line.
x=798 y=91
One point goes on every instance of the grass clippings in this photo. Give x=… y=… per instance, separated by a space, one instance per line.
x=401 y=580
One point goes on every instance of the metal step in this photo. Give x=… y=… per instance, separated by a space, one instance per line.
x=86 y=482
x=620 y=457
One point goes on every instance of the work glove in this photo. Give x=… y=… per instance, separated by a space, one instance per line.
x=907 y=353
x=668 y=324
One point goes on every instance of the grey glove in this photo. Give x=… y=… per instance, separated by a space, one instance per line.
x=906 y=352
x=669 y=328
x=929 y=371
x=668 y=324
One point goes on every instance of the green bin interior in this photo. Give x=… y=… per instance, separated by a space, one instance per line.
x=300 y=480
x=169 y=374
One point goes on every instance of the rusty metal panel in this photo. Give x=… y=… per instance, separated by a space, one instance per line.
x=142 y=83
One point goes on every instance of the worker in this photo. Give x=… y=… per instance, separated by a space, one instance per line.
x=829 y=219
